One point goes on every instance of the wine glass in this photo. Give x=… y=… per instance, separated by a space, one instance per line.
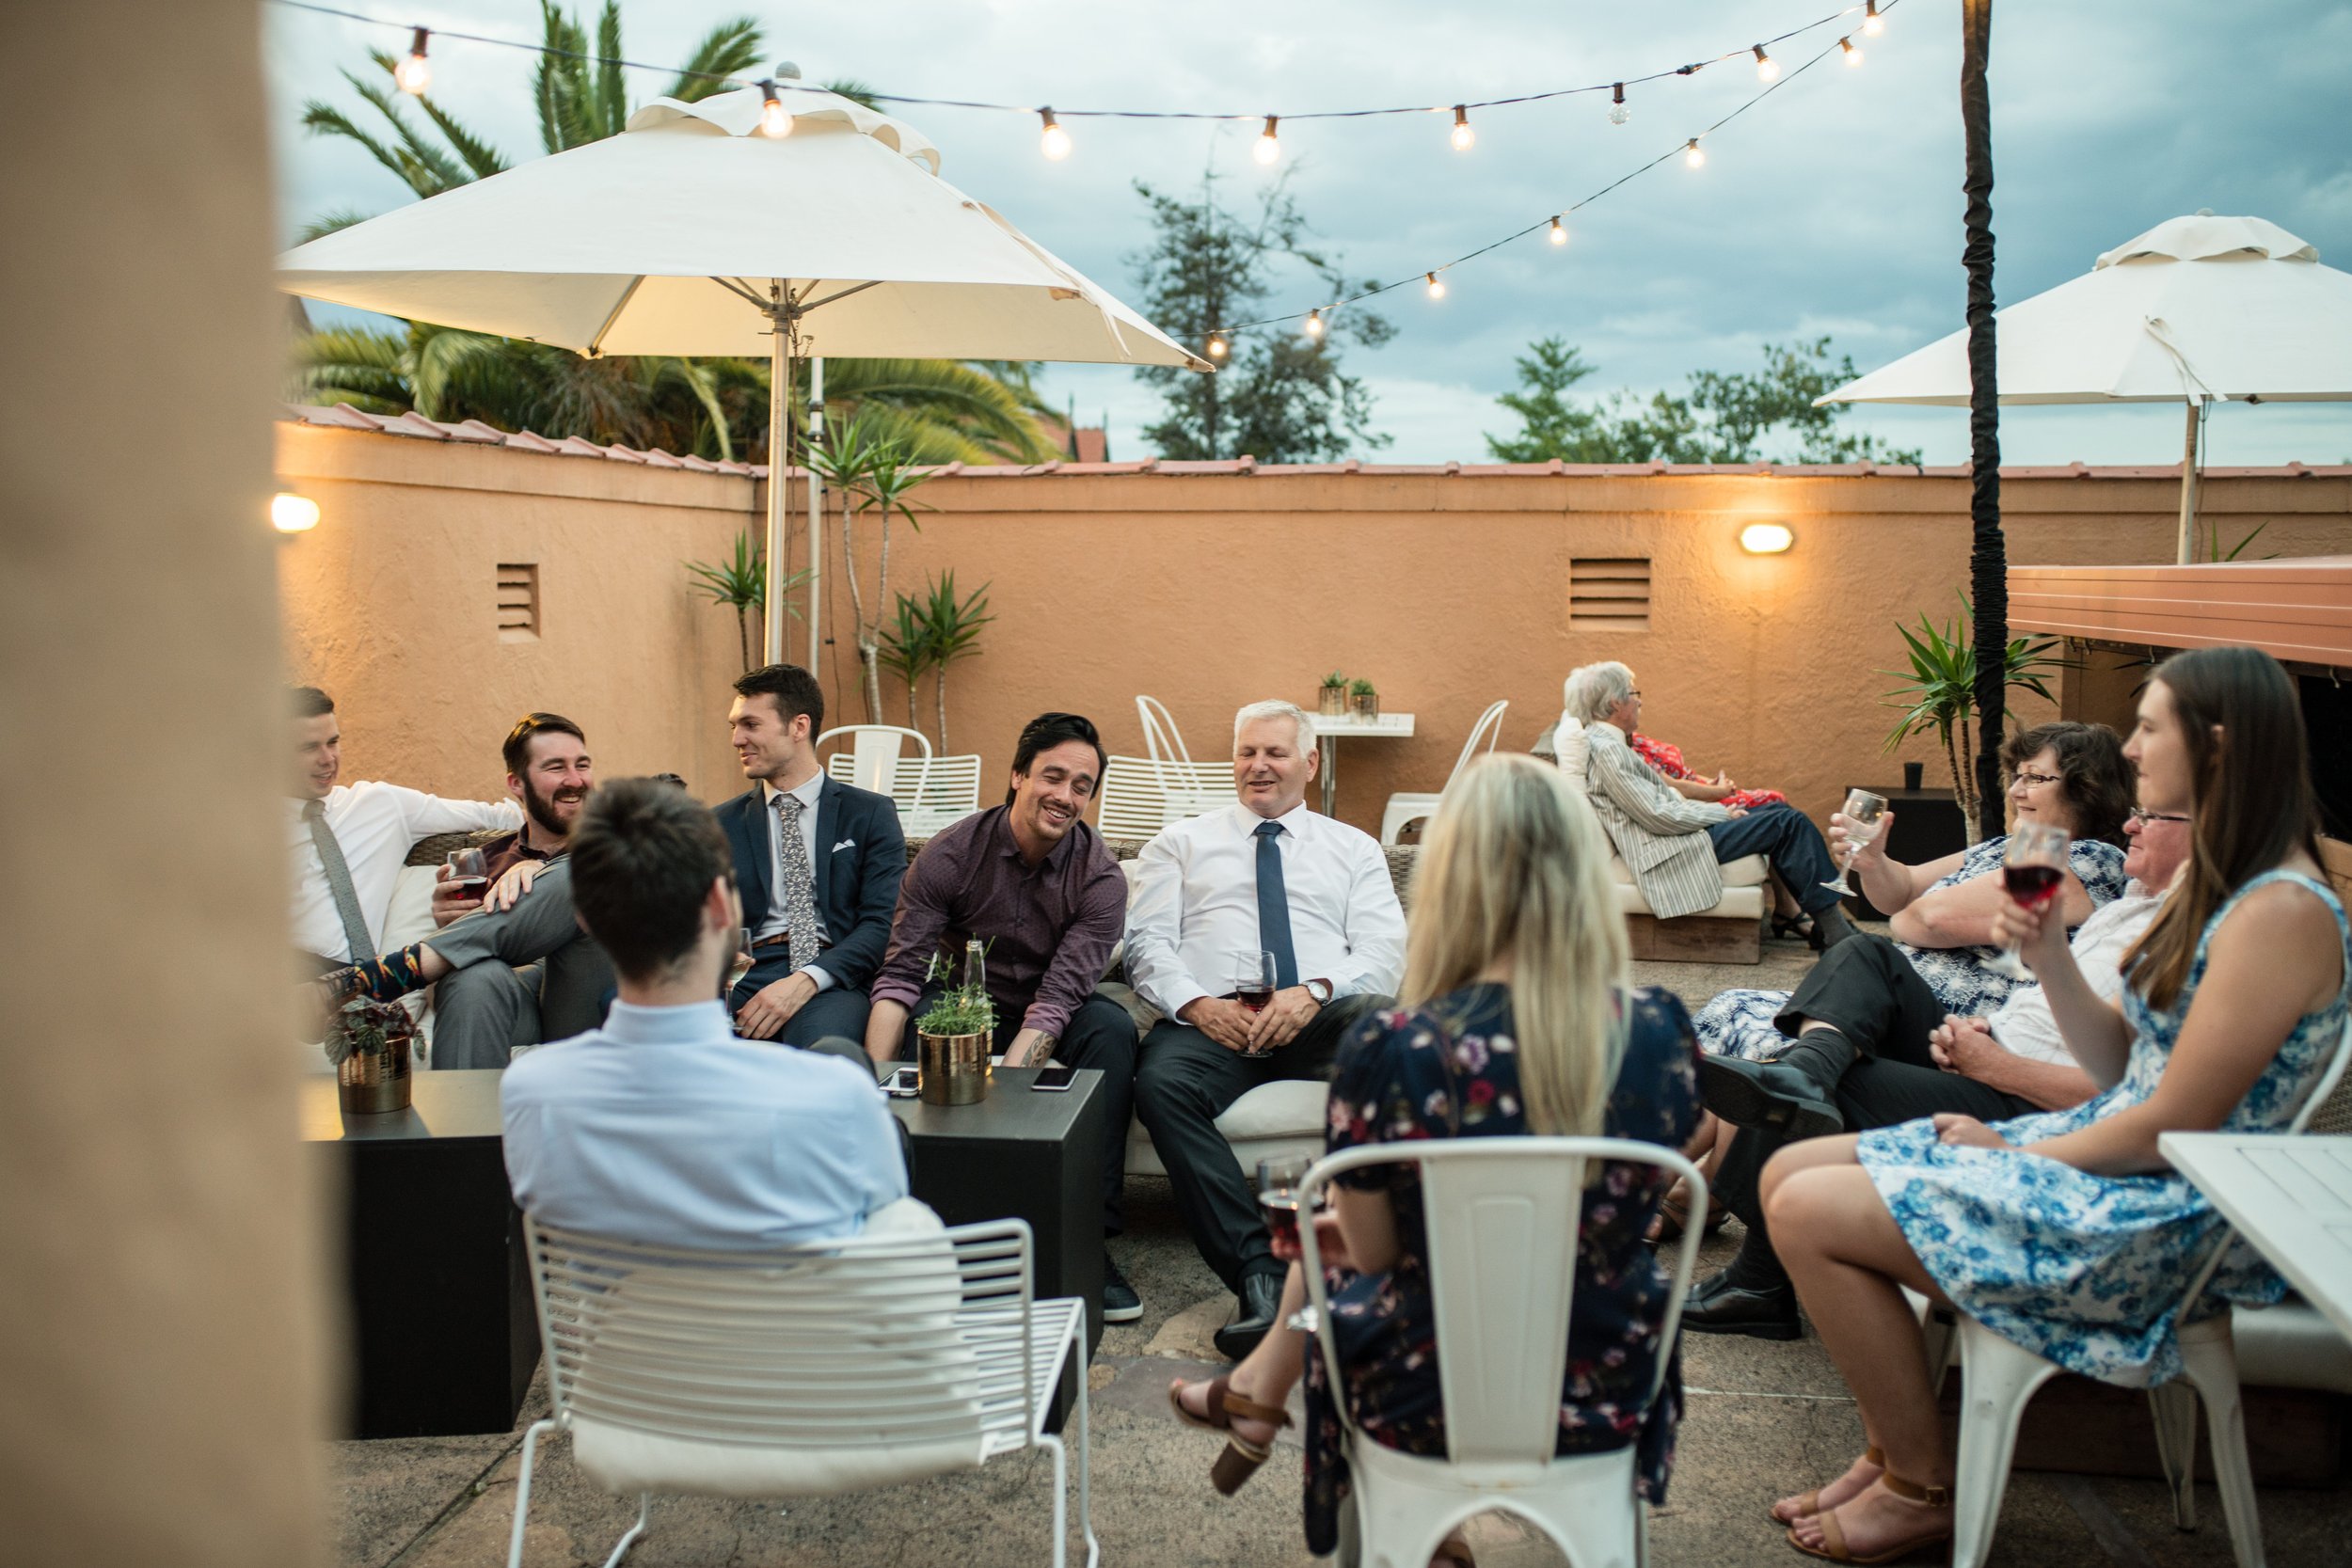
x=1863 y=813
x=740 y=962
x=469 y=874
x=2033 y=868
x=1253 y=985
x=1277 y=1193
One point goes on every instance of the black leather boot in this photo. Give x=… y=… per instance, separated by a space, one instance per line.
x=1717 y=1305
x=1795 y=1094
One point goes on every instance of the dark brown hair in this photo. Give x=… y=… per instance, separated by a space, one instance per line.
x=516 y=750
x=795 y=690
x=307 y=702
x=2095 y=779
x=643 y=857
x=1049 y=730
x=2251 y=785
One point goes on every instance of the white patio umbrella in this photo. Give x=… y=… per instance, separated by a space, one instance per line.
x=2198 y=311
x=695 y=233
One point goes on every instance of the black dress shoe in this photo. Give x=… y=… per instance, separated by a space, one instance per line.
x=1716 y=1305
x=1261 y=1301
x=1769 y=1095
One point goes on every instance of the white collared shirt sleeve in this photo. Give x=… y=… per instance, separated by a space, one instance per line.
x=2024 y=1025
x=1155 y=920
x=1376 y=927
x=426 y=814
x=374 y=824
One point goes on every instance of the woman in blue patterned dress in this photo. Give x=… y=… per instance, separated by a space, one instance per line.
x=2065 y=1231
x=2073 y=775
x=1519 y=1018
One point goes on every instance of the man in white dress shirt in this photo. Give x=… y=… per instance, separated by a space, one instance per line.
x=348 y=842
x=1212 y=893
x=662 y=1127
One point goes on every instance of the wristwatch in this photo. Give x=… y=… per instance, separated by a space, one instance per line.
x=1320 y=990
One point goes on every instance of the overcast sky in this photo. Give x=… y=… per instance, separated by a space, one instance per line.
x=1832 y=207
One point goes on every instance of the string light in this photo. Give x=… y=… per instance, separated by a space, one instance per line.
x=1854 y=55
x=1462 y=135
x=1873 y=24
x=1219 y=348
x=1558 y=233
x=1268 y=149
x=1053 y=141
x=1767 y=68
x=1692 y=153
x=414 y=74
x=1618 y=113
x=774 y=120
x=1315 y=325
x=1437 y=288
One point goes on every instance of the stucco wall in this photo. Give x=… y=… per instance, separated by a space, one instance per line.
x=1205 y=590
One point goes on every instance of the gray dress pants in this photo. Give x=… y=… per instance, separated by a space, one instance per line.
x=523 y=976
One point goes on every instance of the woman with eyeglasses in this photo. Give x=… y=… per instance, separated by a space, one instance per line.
x=2066 y=1232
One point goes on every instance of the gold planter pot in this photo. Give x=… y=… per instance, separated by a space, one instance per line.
x=372 y=1083
x=1368 y=706
x=1334 y=701
x=954 y=1068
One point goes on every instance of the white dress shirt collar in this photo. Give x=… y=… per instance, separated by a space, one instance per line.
x=806 y=793
x=690 y=1023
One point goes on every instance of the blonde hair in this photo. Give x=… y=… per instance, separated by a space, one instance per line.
x=1515 y=867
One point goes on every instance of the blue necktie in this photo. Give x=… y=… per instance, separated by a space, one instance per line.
x=1274 y=907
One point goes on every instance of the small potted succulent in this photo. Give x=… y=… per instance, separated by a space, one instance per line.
x=954 y=1034
x=1367 y=700
x=369 y=1042
x=1334 y=695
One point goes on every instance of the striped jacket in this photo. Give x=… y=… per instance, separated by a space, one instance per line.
x=1660 y=836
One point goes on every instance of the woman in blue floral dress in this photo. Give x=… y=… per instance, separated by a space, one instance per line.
x=2066 y=1232
x=1520 y=1020
x=2073 y=775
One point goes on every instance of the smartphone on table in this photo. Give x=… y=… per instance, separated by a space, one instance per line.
x=1052 y=1079
x=903 y=1084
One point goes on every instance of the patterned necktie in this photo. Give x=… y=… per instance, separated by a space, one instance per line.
x=796 y=888
x=339 y=882
x=1274 y=907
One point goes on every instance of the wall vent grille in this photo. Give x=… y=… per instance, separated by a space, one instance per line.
x=518 y=602
x=1609 y=594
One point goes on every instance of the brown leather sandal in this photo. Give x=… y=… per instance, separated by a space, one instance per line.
x=1673 y=1213
x=1834 y=1549
x=1810 y=1503
x=1241 y=1458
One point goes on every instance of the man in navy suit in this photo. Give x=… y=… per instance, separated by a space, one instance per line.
x=818 y=862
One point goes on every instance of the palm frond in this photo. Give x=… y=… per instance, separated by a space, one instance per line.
x=327 y=223
x=730 y=49
x=611 y=108
x=326 y=119
x=428 y=169
x=481 y=159
x=857 y=92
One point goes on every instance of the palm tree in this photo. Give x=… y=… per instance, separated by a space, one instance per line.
x=1988 y=556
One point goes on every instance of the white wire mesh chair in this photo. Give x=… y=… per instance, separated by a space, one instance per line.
x=1405 y=809
x=1160 y=737
x=800 y=1371
x=1998 y=1377
x=873 y=755
x=1503 y=1216
x=1140 y=796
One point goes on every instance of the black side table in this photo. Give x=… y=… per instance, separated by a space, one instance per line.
x=1928 y=826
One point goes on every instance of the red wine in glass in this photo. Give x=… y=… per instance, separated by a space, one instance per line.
x=2032 y=885
x=1253 y=980
x=1254 y=997
x=1281 y=1216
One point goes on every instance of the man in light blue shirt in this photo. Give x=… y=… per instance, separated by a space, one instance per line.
x=662 y=1127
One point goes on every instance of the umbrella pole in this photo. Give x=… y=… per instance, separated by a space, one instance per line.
x=2188 y=482
x=816 y=510
x=779 y=450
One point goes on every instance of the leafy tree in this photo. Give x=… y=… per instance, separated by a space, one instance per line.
x=1726 y=418
x=1281 y=397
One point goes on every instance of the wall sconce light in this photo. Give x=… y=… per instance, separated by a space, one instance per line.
x=1766 y=538
x=293 y=514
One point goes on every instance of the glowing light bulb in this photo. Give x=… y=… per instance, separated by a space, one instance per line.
x=774 y=120
x=1436 y=287
x=1558 y=233
x=1767 y=538
x=1854 y=55
x=1873 y=24
x=1054 y=141
x=1314 y=323
x=1767 y=68
x=1462 y=135
x=293 y=514
x=414 y=74
x=1692 y=153
x=1618 y=113
x=1218 y=346
x=1267 y=147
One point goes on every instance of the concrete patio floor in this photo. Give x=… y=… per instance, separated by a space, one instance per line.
x=1763 y=1419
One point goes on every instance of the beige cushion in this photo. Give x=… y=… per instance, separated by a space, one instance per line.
x=1571 y=746
x=1270 y=1119
x=1743 y=890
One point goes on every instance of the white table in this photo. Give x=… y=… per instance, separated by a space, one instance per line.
x=1328 y=730
x=2291 y=1197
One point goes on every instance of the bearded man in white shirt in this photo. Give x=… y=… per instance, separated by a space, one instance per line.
x=349 y=841
x=1211 y=893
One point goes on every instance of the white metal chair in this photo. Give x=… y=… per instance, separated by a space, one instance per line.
x=1140 y=796
x=1159 y=732
x=1503 y=1215
x=937 y=793
x=803 y=1371
x=873 y=755
x=1998 y=1377
x=1404 y=810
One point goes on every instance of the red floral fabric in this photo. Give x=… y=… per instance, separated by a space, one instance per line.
x=1668 y=761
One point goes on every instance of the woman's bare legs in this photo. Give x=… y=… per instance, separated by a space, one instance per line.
x=1266 y=1375
x=1849 y=1260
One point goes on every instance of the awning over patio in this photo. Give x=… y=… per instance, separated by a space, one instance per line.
x=2299 y=611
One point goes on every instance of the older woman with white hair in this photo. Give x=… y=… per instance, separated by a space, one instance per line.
x=1675 y=846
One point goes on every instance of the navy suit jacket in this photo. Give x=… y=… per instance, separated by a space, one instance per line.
x=861 y=859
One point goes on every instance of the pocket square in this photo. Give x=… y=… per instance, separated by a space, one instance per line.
x=845 y=843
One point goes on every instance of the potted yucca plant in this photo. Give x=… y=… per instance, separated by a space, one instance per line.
x=1938 y=693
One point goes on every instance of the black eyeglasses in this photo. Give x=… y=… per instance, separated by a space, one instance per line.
x=2144 y=817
